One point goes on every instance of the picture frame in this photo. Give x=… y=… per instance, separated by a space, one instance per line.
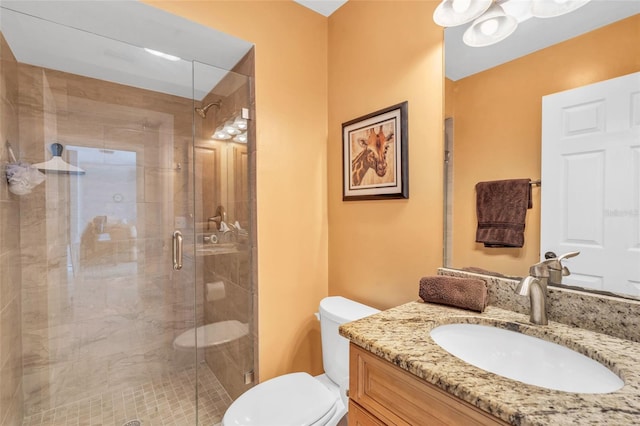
x=375 y=155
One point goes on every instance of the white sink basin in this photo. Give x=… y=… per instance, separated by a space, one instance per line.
x=526 y=359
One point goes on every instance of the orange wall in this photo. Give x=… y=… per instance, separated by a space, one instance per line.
x=380 y=54
x=497 y=130
x=313 y=74
x=291 y=104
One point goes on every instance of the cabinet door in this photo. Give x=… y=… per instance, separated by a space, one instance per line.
x=591 y=175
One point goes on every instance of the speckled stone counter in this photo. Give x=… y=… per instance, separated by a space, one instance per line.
x=401 y=335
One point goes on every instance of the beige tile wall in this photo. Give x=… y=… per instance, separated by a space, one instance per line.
x=10 y=301
x=100 y=316
x=229 y=361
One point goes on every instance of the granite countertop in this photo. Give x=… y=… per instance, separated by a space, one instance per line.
x=401 y=335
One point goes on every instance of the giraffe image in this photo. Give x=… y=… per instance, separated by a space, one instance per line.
x=373 y=155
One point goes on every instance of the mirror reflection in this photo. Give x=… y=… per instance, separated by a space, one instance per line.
x=494 y=132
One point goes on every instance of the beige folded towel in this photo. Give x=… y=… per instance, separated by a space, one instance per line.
x=466 y=293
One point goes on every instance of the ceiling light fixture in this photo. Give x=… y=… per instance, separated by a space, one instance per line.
x=491 y=21
x=490 y=28
x=230 y=128
x=234 y=128
x=161 y=54
x=451 y=13
x=220 y=134
x=553 y=8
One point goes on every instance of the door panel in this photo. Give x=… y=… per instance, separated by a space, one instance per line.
x=591 y=183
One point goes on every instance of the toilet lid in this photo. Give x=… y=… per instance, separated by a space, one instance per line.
x=295 y=399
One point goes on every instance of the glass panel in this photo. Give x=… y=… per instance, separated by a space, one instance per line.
x=101 y=303
x=223 y=229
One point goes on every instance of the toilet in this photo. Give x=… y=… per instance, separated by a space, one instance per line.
x=299 y=399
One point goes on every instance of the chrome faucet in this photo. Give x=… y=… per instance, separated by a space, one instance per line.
x=549 y=271
x=535 y=286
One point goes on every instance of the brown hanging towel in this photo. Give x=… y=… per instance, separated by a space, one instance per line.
x=501 y=207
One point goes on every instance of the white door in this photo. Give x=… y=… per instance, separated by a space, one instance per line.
x=591 y=183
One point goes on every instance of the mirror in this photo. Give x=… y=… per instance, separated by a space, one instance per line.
x=494 y=115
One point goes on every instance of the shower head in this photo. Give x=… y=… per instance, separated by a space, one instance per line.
x=202 y=111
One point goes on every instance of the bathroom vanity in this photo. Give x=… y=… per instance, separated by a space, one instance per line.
x=399 y=375
x=381 y=393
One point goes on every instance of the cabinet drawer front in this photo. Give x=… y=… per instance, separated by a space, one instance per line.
x=359 y=417
x=397 y=397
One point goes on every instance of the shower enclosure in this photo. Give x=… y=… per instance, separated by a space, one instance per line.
x=128 y=287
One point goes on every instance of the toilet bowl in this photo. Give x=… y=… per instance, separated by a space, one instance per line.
x=299 y=399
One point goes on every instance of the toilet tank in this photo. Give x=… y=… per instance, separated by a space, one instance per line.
x=334 y=311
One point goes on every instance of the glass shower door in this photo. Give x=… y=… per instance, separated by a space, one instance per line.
x=109 y=304
x=101 y=302
x=105 y=328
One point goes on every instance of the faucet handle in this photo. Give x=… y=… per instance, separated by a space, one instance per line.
x=540 y=270
x=568 y=255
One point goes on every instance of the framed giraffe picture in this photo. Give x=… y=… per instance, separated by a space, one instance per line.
x=374 y=155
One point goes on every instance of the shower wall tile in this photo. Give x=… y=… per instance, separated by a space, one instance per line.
x=78 y=130
x=154 y=220
x=155 y=180
x=10 y=336
x=11 y=401
x=11 y=391
x=231 y=360
x=8 y=73
x=8 y=133
x=10 y=358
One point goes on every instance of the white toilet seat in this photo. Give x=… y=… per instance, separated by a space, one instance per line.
x=295 y=399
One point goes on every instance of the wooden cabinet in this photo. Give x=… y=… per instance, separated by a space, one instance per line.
x=383 y=394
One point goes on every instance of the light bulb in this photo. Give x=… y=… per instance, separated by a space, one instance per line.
x=240 y=123
x=460 y=6
x=489 y=27
x=220 y=134
x=242 y=138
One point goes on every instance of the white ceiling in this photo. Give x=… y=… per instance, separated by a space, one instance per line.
x=63 y=35
x=323 y=7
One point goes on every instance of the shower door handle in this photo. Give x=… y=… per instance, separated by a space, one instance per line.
x=177 y=250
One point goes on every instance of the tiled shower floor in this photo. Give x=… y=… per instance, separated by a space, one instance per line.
x=165 y=401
